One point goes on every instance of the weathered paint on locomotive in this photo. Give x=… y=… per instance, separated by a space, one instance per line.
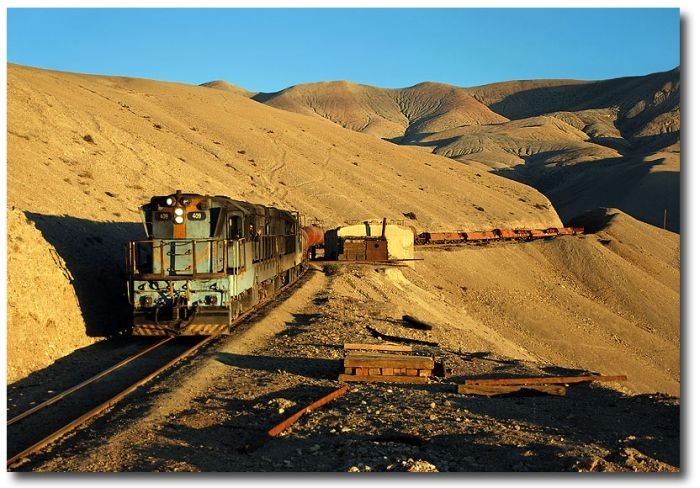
x=206 y=260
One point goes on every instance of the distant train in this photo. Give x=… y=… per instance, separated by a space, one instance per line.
x=208 y=259
x=462 y=237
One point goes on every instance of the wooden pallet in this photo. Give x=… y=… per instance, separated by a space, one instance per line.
x=377 y=347
x=364 y=366
x=347 y=378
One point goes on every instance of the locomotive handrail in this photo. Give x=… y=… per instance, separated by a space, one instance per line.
x=160 y=244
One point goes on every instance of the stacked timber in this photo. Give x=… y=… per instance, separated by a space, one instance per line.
x=372 y=363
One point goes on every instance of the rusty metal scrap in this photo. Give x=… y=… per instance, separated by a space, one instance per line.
x=284 y=425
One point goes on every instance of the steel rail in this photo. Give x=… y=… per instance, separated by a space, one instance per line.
x=85 y=383
x=105 y=405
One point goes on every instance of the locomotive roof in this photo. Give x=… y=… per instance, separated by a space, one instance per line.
x=221 y=201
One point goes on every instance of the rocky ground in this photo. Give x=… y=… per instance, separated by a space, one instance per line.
x=211 y=414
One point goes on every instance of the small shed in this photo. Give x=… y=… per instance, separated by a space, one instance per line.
x=369 y=241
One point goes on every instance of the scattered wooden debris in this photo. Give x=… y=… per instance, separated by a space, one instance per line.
x=377 y=347
x=542 y=380
x=384 y=367
x=414 y=323
x=417 y=380
x=388 y=337
x=511 y=390
x=389 y=361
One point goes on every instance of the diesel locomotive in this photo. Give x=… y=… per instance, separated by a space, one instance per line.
x=208 y=259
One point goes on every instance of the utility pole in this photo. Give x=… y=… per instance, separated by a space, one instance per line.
x=665 y=217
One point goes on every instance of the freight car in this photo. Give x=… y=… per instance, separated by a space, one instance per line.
x=440 y=237
x=482 y=236
x=208 y=259
x=514 y=234
x=461 y=237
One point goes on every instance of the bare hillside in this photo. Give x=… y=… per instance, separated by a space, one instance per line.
x=535 y=131
x=401 y=114
x=85 y=151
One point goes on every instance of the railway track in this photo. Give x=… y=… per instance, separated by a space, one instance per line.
x=36 y=428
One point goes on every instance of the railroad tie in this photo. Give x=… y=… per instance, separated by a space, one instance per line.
x=384 y=367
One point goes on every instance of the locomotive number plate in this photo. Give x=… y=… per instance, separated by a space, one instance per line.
x=196 y=216
x=163 y=215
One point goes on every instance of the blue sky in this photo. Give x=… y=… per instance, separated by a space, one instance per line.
x=271 y=49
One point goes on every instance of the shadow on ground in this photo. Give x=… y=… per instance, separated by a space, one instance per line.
x=627 y=183
x=592 y=426
x=70 y=370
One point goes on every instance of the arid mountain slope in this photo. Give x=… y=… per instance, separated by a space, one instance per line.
x=641 y=101
x=85 y=151
x=608 y=302
x=534 y=131
x=390 y=114
x=225 y=85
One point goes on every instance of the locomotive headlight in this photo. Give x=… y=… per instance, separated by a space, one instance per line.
x=179 y=219
x=170 y=201
x=179 y=211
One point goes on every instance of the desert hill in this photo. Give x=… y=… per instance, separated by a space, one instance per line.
x=534 y=131
x=85 y=151
x=390 y=114
x=225 y=85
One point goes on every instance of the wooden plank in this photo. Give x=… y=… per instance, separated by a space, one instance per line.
x=364 y=353
x=383 y=379
x=424 y=372
x=375 y=371
x=496 y=390
x=411 y=372
x=542 y=380
x=388 y=371
x=362 y=371
x=388 y=361
x=377 y=347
